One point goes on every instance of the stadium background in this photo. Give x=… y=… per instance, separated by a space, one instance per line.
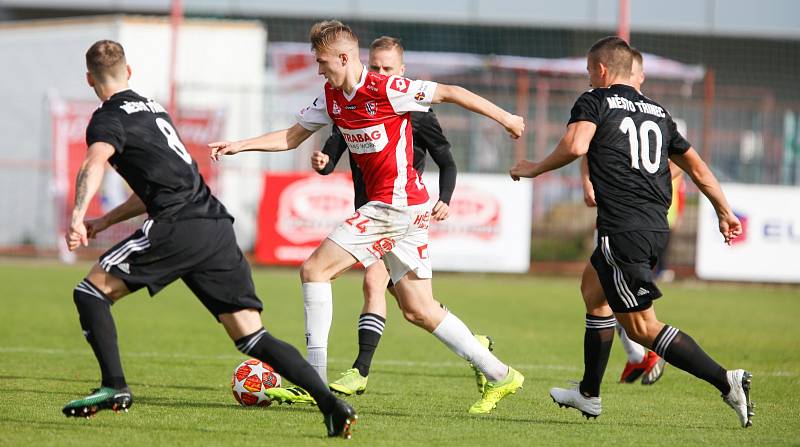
x=741 y=112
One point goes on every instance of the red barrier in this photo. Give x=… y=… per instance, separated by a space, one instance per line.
x=297 y=212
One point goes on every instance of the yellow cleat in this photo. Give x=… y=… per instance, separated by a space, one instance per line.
x=493 y=392
x=351 y=382
x=290 y=395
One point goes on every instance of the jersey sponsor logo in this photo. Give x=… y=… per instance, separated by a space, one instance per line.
x=384 y=245
x=400 y=85
x=140 y=106
x=335 y=108
x=420 y=96
x=371 y=107
x=366 y=140
x=350 y=107
x=372 y=86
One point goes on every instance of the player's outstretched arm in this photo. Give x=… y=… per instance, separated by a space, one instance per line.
x=707 y=183
x=574 y=144
x=126 y=210
x=460 y=96
x=276 y=141
x=87 y=183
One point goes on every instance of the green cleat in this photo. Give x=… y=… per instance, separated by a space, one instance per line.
x=487 y=343
x=351 y=382
x=103 y=398
x=290 y=395
x=493 y=392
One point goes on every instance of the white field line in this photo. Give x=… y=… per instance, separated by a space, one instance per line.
x=385 y=362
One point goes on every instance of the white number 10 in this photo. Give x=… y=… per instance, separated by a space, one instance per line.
x=643 y=135
x=172 y=139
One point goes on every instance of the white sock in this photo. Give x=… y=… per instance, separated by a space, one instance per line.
x=635 y=351
x=318 y=302
x=456 y=336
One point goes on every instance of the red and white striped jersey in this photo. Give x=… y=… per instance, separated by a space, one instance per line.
x=376 y=124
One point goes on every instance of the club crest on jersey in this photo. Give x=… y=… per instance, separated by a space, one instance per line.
x=335 y=108
x=420 y=96
x=372 y=107
x=399 y=84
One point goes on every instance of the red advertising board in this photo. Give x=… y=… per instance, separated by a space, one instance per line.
x=297 y=212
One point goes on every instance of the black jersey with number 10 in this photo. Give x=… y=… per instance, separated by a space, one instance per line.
x=149 y=155
x=629 y=158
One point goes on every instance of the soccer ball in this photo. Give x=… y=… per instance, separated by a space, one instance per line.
x=250 y=381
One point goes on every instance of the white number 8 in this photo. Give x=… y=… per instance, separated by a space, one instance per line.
x=172 y=139
x=629 y=127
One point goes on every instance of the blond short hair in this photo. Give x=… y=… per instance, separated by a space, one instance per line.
x=326 y=34
x=105 y=59
x=614 y=53
x=387 y=43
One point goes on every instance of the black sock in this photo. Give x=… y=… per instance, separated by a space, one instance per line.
x=596 y=349
x=370 y=329
x=288 y=362
x=681 y=351
x=94 y=310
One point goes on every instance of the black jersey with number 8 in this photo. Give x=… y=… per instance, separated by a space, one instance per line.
x=149 y=155
x=629 y=157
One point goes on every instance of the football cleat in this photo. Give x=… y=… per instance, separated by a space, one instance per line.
x=340 y=420
x=493 y=392
x=290 y=395
x=351 y=382
x=103 y=398
x=633 y=371
x=652 y=375
x=738 y=397
x=487 y=343
x=591 y=407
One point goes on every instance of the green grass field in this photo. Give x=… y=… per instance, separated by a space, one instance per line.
x=178 y=362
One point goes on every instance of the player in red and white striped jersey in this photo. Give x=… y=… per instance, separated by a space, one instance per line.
x=372 y=112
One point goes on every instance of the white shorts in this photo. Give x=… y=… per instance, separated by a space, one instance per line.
x=398 y=235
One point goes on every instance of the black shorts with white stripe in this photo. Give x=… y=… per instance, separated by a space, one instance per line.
x=624 y=263
x=201 y=252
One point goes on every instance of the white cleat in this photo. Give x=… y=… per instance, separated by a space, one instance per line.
x=591 y=407
x=738 y=397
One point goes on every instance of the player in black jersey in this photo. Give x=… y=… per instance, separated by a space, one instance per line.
x=385 y=57
x=629 y=140
x=188 y=235
x=642 y=362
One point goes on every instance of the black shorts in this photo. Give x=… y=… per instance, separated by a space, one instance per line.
x=201 y=252
x=624 y=263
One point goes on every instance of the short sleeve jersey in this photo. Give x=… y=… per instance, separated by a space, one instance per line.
x=629 y=157
x=149 y=155
x=376 y=125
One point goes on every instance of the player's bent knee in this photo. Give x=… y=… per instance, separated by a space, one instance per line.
x=241 y=323
x=113 y=287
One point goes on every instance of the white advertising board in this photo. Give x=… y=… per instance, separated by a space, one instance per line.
x=768 y=249
x=489 y=228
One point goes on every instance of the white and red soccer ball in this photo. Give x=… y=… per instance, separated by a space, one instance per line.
x=250 y=381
